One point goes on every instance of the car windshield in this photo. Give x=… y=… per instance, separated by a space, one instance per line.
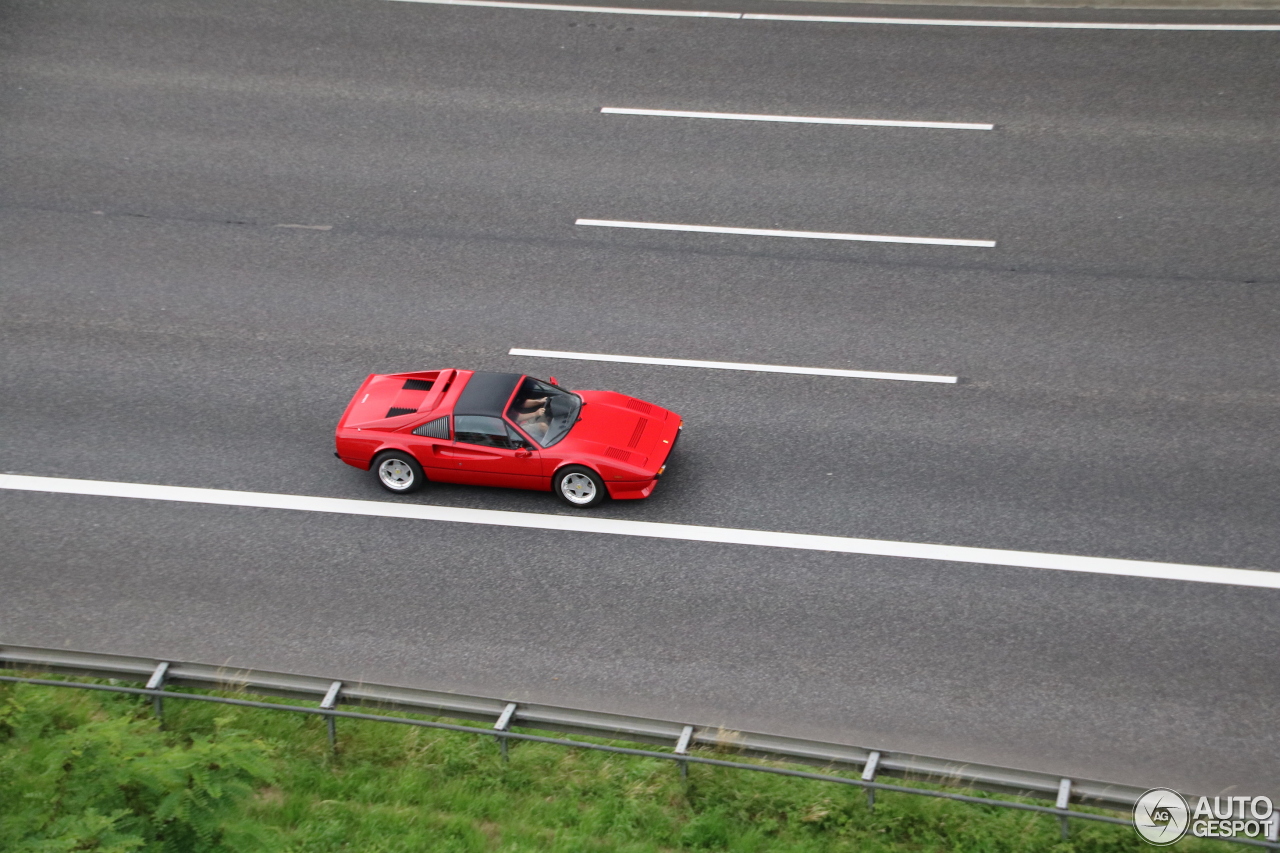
x=545 y=412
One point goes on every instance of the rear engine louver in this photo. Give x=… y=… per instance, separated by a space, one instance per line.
x=639 y=431
x=396 y=411
x=417 y=384
x=639 y=405
x=618 y=453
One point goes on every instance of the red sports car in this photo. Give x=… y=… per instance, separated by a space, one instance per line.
x=505 y=429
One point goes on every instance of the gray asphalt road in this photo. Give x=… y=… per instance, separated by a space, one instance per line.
x=1118 y=349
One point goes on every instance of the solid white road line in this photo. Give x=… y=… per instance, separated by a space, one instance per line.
x=731 y=365
x=652 y=530
x=930 y=22
x=1033 y=25
x=862 y=122
x=769 y=232
x=552 y=7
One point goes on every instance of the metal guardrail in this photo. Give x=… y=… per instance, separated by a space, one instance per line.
x=872 y=764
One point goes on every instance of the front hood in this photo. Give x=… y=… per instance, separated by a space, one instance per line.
x=619 y=421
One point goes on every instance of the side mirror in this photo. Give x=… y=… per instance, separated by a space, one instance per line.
x=553 y=381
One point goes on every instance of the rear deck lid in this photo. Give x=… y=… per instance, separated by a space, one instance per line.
x=386 y=401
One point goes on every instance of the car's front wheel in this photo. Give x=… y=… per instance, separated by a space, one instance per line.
x=398 y=472
x=579 y=486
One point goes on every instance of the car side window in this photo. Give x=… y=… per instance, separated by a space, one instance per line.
x=439 y=428
x=516 y=439
x=480 y=429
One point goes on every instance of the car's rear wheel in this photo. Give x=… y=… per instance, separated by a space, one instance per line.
x=579 y=486
x=398 y=472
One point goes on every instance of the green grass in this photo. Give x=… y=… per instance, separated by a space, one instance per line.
x=93 y=771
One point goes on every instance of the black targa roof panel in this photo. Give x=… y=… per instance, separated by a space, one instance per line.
x=487 y=393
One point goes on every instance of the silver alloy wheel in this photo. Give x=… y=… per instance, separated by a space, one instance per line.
x=577 y=488
x=395 y=474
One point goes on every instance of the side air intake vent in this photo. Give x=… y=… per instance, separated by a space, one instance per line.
x=439 y=428
x=418 y=384
x=396 y=410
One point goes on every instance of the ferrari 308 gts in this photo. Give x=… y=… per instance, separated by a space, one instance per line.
x=505 y=429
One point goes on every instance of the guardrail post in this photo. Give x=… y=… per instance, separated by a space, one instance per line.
x=869 y=771
x=503 y=724
x=682 y=748
x=1064 y=802
x=1273 y=826
x=328 y=703
x=156 y=682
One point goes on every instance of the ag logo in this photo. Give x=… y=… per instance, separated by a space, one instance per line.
x=1161 y=816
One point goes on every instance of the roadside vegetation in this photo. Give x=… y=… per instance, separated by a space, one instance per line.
x=91 y=771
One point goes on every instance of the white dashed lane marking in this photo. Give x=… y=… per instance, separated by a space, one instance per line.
x=651 y=530
x=861 y=122
x=771 y=232
x=730 y=365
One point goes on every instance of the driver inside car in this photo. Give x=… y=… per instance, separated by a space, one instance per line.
x=533 y=416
